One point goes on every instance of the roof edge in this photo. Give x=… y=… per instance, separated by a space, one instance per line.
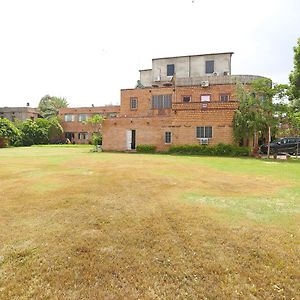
x=206 y=54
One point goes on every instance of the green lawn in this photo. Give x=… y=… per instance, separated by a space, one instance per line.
x=82 y=225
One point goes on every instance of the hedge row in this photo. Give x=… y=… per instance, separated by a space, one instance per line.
x=146 y=148
x=217 y=150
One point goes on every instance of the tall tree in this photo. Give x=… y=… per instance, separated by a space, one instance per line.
x=294 y=90
x=49 y=106
x=258 y=111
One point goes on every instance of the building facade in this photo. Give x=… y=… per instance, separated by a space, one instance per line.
x=19 y=113
x=181 y=100
x=74 y=121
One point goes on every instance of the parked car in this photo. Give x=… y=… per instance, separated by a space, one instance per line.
x=282 y=145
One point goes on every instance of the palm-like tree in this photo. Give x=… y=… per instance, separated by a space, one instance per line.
x=49 y=106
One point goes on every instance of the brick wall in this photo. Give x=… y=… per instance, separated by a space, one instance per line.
x=181 y=120
x=76 y=127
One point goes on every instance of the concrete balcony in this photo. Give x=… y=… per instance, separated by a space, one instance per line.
x=211 y=105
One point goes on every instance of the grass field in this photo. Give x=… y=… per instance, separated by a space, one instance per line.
x=82 y=225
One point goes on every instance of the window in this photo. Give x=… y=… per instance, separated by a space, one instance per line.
x=204 y=132
x=186 y=98
x=133 y=103
x=112 y=115
x=224 y=97
x=82 y=117
x=69 y=135
x=162 y=101
x=205 y=98
x=170 y=70
x=69 y=118
x=82 y=135
x=168 y=137
x=209 y=66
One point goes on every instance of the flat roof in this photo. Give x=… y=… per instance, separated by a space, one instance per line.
x=145 y=70
x=194 y=55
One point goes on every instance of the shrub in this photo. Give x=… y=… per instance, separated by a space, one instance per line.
x=97 y=139
x=8 y=132
x=217 y=150
x=145 y=148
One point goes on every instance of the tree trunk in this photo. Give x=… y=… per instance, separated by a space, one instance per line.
x=269 y=140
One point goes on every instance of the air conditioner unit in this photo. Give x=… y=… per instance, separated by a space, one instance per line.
x=226 y=73
x=204 y=83
x=215 y=74
x=203 y=141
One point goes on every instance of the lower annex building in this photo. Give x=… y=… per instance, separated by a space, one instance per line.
x=181 y=100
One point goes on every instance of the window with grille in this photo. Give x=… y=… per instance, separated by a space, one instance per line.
x=82 y=135
x=69 y=118
x=224 y=97
x=161 y=101
x=204 y=132
x=133 y=103
x=168 y=137
x=82 y=117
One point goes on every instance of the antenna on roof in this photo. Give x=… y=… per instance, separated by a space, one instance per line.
x=27 y=104
x=92 y=105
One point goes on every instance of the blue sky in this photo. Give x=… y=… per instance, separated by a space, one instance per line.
x=87 y=50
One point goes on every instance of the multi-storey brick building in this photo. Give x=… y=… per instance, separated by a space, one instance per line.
x=181 y=100
x=73 y=121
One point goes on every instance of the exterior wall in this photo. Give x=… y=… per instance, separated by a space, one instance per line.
x=152 y=130
x=188 y=66
x=18 y=113
x=181 y=120
x=146 y=77
x=77 y=127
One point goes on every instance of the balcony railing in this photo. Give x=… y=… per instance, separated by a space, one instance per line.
x=209 y=105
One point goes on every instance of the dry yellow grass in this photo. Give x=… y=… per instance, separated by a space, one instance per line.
x=81 y=225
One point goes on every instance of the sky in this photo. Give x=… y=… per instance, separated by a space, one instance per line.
x=87 y=50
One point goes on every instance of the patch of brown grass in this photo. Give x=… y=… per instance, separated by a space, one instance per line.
x=114 y=228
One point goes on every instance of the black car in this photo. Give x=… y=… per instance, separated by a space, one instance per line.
x=288 y=145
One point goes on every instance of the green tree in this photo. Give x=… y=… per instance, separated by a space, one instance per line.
x=49 y=106
x=39 y=131
x=294 y=90
x=8 y=132
x=259 y=108
x=96 y=122
x=34 y=132
x=55 y=130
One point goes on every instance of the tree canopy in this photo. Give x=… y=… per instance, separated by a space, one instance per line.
x=39 y=131
x=294 y=90
x=49 y=106
x=8 y=132
x=257 y=110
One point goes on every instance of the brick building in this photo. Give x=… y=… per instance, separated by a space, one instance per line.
x=19 y=113
x=181 y=100
x=74 y=125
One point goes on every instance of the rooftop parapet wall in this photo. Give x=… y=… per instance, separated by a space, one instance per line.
x=227 y=79
x=87 y=110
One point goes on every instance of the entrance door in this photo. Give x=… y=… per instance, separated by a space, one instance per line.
x=130 y=139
